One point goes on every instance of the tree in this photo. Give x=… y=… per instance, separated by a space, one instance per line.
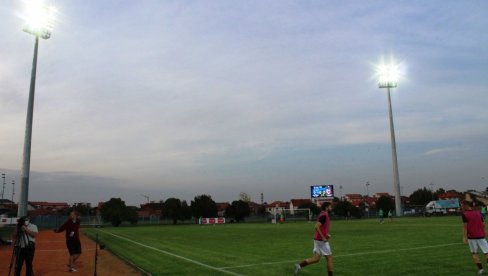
x=172 y=209
x=244 y=197
x=185 y=211
x=439 y=192
x=239 y=210
x=421 y=196
x=113 y=211
x=131 y=215
x=342 y=208
x=82 y=208
x=314 y=209
x=385 y=203
x=203 y=206
x=346 y=209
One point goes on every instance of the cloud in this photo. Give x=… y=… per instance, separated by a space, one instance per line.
x=443 y=150
x=172 y=92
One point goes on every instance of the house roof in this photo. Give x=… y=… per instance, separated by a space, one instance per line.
x=278 y=204
x=222 y=206
x=354 y=196
x=298 y=202
x=48 y=204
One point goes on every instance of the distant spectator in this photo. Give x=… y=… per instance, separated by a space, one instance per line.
x=381 y=215
x=72 y=229
x=390 y=215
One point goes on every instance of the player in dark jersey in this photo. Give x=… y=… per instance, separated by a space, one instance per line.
x=72 y=227
x=321 y=241
x=474 y=233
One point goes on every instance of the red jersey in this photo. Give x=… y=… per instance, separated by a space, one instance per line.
x=475 y=226
x=324 y=220
x=72 y=229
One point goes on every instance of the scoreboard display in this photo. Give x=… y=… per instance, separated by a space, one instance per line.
x=322 y=191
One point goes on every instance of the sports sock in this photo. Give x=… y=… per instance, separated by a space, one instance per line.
x=479 y=265
x=329 y=273
x=303 y=263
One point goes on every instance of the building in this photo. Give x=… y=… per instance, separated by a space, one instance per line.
x=277 y=207
x=354 y=199
x=54 y=207
x=151 y=210
x=296 y=203
x=378 y=195
x=6 y=206
x=221 y=208
x=451 y=195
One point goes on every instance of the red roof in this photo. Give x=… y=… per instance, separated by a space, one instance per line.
x=222 y=206
x=300 y=202
x=44 y=204
x=353 y=196
x=381 y=194
x=279 y=204
x=450 y=194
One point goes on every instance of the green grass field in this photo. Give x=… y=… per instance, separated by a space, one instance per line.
x=406 y=246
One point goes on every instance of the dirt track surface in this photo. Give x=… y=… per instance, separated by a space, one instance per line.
x=51 y=258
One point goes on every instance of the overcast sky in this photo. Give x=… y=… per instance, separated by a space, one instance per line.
x=182 y=98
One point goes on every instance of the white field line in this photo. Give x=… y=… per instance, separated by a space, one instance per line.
x=349 y=255
x=173 y=255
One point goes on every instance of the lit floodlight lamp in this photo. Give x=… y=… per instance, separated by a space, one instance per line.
x=39 y=19
x=388 y=76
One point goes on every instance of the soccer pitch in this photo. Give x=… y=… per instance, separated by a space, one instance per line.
x=405 y=246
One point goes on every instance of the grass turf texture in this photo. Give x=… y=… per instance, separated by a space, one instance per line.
x=406 y=246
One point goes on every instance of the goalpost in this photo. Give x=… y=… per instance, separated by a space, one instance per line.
x=281 y=215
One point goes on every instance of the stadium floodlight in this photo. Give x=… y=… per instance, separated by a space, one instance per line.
x=388 y=78
x=39 y=19
x=388 y=75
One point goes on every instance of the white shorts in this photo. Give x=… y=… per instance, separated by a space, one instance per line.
x=475 y=243
x=322 y=248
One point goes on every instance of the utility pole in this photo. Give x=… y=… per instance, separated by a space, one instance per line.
x=3 y=187
x=13 y=190
x=432 y=189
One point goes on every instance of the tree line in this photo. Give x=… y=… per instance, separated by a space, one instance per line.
x=115 y=210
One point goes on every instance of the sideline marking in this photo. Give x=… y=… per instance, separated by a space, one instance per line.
x=349 y=255
x=173 y=255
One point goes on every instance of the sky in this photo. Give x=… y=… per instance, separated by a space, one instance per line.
x=182 y=98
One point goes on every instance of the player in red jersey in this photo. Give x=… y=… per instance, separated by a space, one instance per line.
x=321 y=241
x=474 y=233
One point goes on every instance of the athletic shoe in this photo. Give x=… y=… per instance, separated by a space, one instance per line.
x=297 y=268
x=72 y=270
x=480 y=271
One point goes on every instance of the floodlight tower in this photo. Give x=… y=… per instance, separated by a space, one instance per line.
x=388 y=78
x=39 y=23
x=367 y=187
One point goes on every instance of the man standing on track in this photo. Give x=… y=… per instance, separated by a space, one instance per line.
x=474 y=233
x=72 y=227
x=321 y=241
x=25 y=241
